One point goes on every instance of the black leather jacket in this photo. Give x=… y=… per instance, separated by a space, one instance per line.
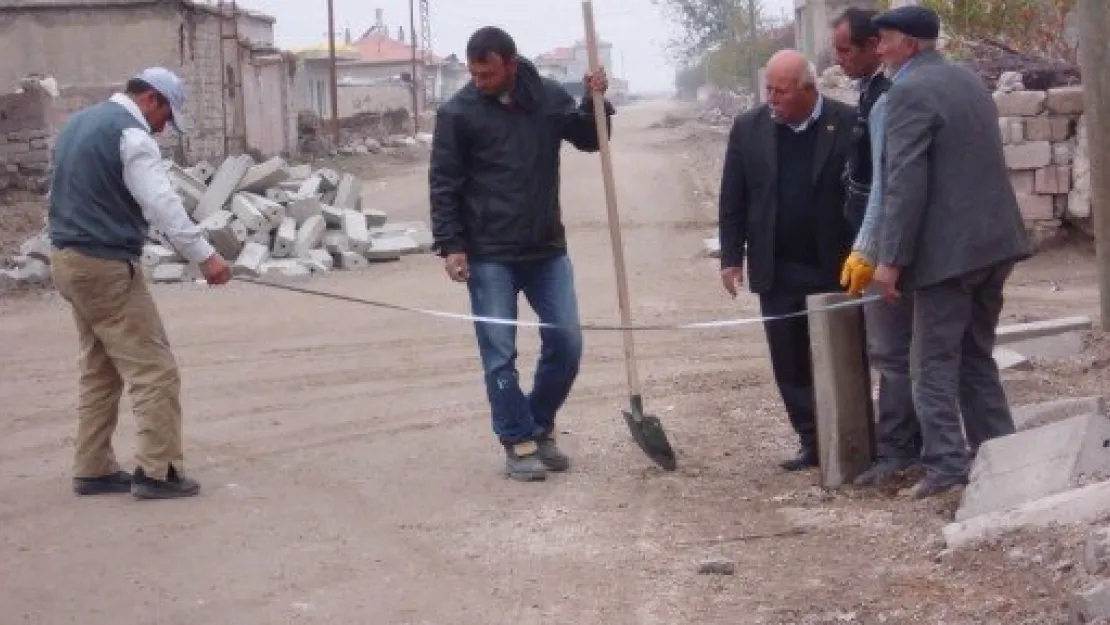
x=858 y=172
x=494 y=176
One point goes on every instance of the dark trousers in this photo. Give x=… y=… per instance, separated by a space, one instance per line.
x=548 y=285
x=954 y=327
x=889 y=338
x=788 y=341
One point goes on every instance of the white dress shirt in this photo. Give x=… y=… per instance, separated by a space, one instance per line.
x=145 y=175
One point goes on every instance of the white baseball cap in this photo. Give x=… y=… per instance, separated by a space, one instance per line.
x=172 y=89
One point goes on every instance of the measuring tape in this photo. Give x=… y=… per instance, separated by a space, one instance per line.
x=597 y=327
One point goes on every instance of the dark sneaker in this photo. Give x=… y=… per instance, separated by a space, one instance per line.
x=883 y=470
x=175 y=486
x=931 y=486
x=551 y=457
x=806 y=459
x=523 y=463
x=118 y=482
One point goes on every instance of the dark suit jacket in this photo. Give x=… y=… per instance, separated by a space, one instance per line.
x=948 y=205
x=749 y=194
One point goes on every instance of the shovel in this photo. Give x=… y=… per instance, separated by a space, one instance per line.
x=646 y=429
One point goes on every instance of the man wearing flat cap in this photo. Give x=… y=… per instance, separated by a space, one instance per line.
x=950 y=230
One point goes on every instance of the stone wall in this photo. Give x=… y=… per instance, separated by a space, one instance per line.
x=1049 y=167
x=26 y=132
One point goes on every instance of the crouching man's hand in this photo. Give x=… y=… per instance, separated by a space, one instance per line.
x=215 y=270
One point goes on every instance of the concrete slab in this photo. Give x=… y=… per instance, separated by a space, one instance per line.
x=417 y=231
x=225 y=233
x=391 y=248
x=351 y=260
x=1029 y=465
x=333 y=216
x=1096 y=552
x=262 y=237
x=319 y=261
x=1056 y=347
x=1091 y=604
x=249 y=262
x=1077 y=506
x=246 y=211
x=336 y=242
x=285 y=239
x=301 y=209
x=1007 y=359
x=375 y=218
x=37 y=247
x=348 y=193
x=312 y=186
x=300 y=172
x=309 y=235
x=712 y=247
x=276 y=194
x=223 y=185
x=1035 y=415
x=273 y=212
x=155 y=254
x=170 y=272
x=284 y=270
x=1025 y=331
x=264 y=175
x=354 y=226
x=190 y=189
x=202 y=171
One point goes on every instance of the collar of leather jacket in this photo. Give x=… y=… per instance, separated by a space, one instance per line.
x=527 y=89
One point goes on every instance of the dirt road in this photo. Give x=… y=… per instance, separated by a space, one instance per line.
x=349 y=474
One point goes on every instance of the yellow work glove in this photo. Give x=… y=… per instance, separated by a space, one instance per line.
x=856 y=274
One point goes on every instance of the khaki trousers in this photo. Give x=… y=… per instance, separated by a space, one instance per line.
x=121 y=340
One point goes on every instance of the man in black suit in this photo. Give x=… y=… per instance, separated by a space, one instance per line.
x=782 y=209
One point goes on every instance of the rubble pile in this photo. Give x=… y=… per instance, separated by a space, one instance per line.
x=722 y=107
x=270 y=219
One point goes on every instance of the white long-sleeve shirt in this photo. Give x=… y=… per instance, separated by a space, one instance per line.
x=145 y=176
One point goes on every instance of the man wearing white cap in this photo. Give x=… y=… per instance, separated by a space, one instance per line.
x=109 y=187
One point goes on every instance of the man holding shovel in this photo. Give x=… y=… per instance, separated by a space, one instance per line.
x=496 y=220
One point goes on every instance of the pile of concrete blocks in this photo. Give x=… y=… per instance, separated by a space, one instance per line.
x=1055 y=469
x=1044 y=137
x=272 y=219
x=31 y=266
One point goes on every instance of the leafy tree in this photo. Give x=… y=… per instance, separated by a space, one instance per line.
x=1031 y=27
x=717 y=33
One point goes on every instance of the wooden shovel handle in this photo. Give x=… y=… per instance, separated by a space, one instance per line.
x=611 y=201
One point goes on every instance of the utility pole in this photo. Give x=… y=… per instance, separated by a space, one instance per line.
x=1094 y=58
x=415 y=89
x=333 y=78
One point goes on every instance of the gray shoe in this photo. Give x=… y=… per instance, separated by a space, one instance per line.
x=523 y=462
x=551 y=457
x=883 y=470
x=931 y=486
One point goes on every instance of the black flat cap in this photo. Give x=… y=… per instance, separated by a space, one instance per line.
x=915 y=21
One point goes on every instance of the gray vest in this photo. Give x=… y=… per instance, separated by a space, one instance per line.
x=91 y=209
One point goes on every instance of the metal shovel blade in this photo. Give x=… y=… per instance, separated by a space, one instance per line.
x=648 y=433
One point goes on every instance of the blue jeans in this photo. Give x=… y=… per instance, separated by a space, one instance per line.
x=548 y=285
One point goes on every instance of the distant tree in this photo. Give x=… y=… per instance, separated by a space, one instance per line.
x=717 y=33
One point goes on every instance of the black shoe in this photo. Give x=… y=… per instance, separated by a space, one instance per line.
x=174 y=487
x=933 y=486
x=806 y=459
x=118 y=482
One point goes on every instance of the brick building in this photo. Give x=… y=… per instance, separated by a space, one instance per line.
x=239 y=87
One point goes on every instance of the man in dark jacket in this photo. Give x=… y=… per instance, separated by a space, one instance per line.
x=782 y=209
x=496 y=219
x=889 y=324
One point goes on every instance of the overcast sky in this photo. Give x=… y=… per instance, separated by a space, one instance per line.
x=637 y=29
